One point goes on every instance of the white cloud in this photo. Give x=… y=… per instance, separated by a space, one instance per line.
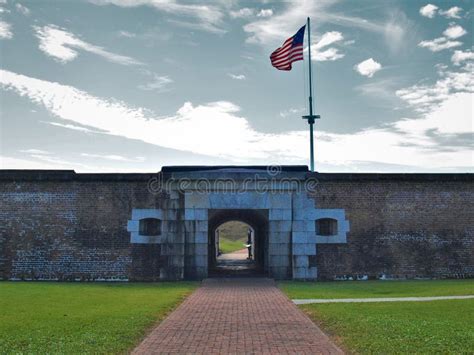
x=397 y=29
x=408 y=142
x=34 y=151
x=61 y=45
x=52 y=163
x=439 y=44
x=247 y=13
x=329 y=38
x=2 y=9
x=42 y=160
x=237 y=76
x=368 y=67
x=265 y=13
x=382 y=91
x=72 y=127
x=329 y=54
x=453 y=12
x=114 y=157
x=459 y=56
x=291 y=112
x=426 y=98
x=5 y=30
x=22 y=9
x=18 y=163
x=429 y=10
x=242 y=13
x=454 y=31
x=450 y=117
x=273 y=30
x=158 y=83
x=209 y=17
x=126 y=34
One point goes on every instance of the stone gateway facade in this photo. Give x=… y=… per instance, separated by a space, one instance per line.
x=59 y=225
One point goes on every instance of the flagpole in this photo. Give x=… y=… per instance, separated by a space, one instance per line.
x=311 y=118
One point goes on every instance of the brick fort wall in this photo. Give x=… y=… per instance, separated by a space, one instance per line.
x=66 y=226
x=403 y=226
x=59 y=227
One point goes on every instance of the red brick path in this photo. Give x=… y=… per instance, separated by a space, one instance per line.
x=237 y=316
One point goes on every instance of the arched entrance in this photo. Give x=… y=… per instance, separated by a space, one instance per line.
x=257 y=220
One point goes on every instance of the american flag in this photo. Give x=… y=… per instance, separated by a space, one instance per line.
x=291 y=51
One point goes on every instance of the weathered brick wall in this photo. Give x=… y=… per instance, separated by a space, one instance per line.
x=73 y=230
x=66 y=226
x=400 y=227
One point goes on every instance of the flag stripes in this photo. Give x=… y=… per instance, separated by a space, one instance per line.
x=291 y=51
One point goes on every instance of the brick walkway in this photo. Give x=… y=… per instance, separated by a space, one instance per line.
x=237 y=316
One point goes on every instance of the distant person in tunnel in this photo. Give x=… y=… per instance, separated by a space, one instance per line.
x=249 y=243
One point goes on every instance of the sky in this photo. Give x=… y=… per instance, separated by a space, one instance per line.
x=134 y=85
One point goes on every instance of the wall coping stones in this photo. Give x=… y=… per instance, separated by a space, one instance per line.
x=226 y=171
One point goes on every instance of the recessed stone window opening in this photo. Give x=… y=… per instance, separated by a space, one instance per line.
x=326 y=226
x=150 y=227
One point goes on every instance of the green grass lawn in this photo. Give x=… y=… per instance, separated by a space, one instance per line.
x=367 y=289
x=229 y=246
x=37 y=317
x=394 y=327
x=399 y=327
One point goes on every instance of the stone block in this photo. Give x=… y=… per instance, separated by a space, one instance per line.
x=190 y=237
x=333 y=239
x=279 y=260
x=196 y=226
x=304 y=226
x=171 y=214
x=279 y=273
x=201 y=272
x=301 y=237
x=173 y=237
x=279 y=214
x=174 y=194
x=172 y=204
x=138 y=213
x=299 y=273
x=280 y=200
x=201 y=237
x=170 y=226
x=176 y=261
x=278 y=249
x=251 y=200
x=279 y=237
x=200 y=248
x=279 y=226
x=300 y=261
x=172 y=249
x=133 y=226
x=302 y=201
x=136 y=238
x=312 y=273
x=199 y=214
x=201 y=261
x=304 y=249
x=196 y=200
x=304 y=214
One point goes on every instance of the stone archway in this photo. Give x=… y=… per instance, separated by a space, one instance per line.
x=257 y=219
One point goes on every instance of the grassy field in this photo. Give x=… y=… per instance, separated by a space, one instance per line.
x=400 y=327
x=367 y=289
x=395 y=327
x=229 y=246
x=233 y=236
x=82 y=318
